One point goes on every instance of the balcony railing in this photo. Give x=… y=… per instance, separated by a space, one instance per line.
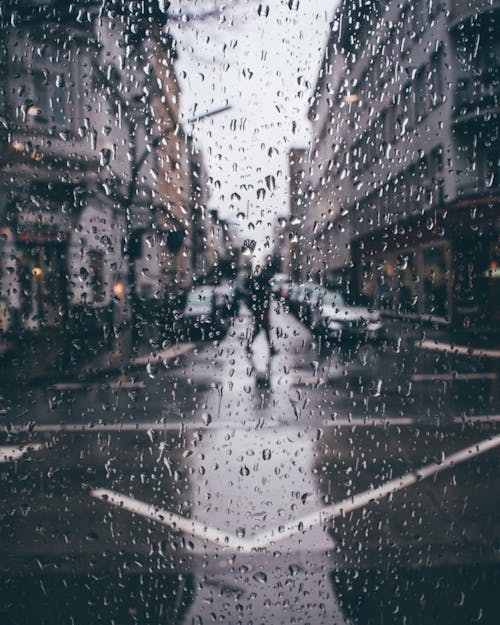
x=475 y=96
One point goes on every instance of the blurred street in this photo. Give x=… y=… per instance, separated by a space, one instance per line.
x=249 y=312
x=212 y=484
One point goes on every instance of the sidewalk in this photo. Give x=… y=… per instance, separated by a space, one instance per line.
x=52 y=357
x=468 y=341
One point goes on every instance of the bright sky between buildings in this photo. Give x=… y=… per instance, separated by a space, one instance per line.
x=263 y=60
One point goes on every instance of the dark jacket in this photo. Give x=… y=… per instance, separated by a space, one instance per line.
x=259 y=297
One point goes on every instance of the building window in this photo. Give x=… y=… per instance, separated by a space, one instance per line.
x=45 y=96
x=408 y=117
x=437 y=82
x=96 y=277
x=436 y=174
x=435 y=283
x=420 y=95
x=418 y=17
x=433 y=7
x=390 y=123
x=408 y=283
x=490 y=168
x=385 y=291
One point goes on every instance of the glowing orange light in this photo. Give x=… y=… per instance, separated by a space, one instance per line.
x=119 y=289
x=351 y=97
x=37 y=272
x=34 y=111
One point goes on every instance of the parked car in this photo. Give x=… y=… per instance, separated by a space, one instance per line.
x=333 y=317
x=226 y=300
x=279 y=283
x=299 y=296
x=200 y=319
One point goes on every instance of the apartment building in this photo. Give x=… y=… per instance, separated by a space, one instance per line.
x=95 y=173
x=405 y=173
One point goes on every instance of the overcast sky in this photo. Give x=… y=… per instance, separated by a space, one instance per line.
x=265 y=67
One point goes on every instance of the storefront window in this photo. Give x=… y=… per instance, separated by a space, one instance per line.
x=408 y=283
x=385 y=283
x=435 y=283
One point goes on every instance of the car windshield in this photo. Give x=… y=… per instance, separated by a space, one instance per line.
x=199 y=298
x=333 y=299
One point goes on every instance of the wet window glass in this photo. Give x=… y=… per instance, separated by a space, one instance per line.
x=249 y=312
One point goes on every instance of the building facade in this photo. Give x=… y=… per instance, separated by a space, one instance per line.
x=298 y=229
x=406 y=184
x=95 y=172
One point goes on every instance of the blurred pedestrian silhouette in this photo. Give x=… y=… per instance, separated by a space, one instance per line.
x=258 y=289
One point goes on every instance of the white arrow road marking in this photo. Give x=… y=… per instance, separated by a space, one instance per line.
x=12 y=453
x=170 y=519
x=201 y=530
x=181 y=426
x=363 y=499
x=457 y=349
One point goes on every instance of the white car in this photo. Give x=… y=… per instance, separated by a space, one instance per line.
x=279 y=284
x=332 y=317
x=199 y=316
x=226 y=301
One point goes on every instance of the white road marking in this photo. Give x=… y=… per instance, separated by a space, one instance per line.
x=320 y=517
x=125 y=384
x=457 y=349
x=75 y=386
x=451 y=377
x=170 y=519
x=308 y=380
x=399 y=421
x=11 y=453
x=69 y=386
x=181 y=426
x=167 y=354
x=365 y=498
x=121 y=427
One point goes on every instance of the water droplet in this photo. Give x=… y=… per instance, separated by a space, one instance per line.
x=305 y=497
x=260 y=577
x=293 y=569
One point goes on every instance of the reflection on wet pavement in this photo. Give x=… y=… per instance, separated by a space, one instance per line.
x=192 y=482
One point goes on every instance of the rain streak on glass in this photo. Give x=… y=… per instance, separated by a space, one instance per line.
x=249 y=312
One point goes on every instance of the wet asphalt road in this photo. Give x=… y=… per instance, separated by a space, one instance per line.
x=322 y=486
